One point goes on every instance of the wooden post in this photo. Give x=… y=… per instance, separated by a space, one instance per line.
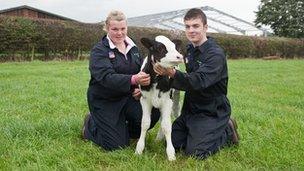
x=33 y=53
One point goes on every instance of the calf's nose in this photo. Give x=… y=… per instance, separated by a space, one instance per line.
x=179 y=56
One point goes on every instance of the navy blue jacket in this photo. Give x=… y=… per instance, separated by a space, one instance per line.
x=115 y=114
x=111 y=72
x=110 y=86
x=206 y=80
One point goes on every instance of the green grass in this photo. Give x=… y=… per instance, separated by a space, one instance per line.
x=42 y=105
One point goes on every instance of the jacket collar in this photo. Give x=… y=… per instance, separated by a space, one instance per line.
x=203 y=47
x=128 y=41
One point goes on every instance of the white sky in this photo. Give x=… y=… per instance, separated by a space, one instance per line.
x=92 y=11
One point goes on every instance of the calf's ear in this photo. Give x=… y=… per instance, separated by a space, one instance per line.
x=148 y=43
x=178 y=44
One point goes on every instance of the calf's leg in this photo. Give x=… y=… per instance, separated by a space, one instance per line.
x=160 y=135
x=145 y=124
x=167 y=129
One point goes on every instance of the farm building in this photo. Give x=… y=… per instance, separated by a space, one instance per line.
x=30 y=12
x=218 y=22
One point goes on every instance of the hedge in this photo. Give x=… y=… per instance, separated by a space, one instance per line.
x=29 y=39
x=23 y=39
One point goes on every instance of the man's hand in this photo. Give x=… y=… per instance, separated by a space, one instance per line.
x=136 y=94
x=164 y=71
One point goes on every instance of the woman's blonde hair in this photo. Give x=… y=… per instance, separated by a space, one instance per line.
x=116 y=16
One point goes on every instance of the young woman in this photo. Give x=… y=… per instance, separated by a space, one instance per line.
x=113 y=94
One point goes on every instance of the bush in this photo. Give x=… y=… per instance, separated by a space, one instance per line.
x=29 y=39
x=24 y=38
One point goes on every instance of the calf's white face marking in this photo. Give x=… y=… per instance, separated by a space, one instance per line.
x=172 y=57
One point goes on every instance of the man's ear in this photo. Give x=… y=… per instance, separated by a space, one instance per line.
x=178 y=44
x=148 y=43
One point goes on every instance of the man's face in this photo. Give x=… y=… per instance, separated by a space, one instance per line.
x=117 y=31
x=195 y=31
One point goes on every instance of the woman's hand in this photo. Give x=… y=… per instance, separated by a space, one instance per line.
x=136 y=94
x=143 y=79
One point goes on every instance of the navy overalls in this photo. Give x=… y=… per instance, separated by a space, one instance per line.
x=203 y=127
x=115 y=114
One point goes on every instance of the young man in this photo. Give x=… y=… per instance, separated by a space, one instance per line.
x=205 y=125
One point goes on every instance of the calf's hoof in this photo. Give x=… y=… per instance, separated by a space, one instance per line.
x=139 y=148
x=171 y=153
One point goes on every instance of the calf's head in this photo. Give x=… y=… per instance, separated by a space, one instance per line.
x=163 y=50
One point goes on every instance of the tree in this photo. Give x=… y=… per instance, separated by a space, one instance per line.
x=286 y=18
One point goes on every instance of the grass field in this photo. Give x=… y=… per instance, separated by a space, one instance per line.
x=42 y=105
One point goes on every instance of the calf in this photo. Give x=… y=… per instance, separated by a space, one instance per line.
x=159 y=93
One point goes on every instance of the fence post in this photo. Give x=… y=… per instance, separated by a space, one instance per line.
x=33 y=53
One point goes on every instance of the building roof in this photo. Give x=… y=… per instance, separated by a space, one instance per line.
x=218 y=22
x=35 y=9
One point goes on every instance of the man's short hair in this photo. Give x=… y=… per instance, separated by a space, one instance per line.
x=194 y=13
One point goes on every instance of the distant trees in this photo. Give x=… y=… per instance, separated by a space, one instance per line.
x=285 y=17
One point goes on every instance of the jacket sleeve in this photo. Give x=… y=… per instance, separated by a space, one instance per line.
x=208 y=73
x=102 y=71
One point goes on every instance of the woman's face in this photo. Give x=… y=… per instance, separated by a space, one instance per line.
x=117 y=31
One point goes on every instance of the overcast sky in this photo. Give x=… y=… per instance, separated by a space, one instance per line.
x=92 y=11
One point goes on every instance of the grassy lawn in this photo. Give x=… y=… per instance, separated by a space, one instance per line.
x=42 y=105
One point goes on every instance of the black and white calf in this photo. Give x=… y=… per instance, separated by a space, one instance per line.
x=159 y=93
